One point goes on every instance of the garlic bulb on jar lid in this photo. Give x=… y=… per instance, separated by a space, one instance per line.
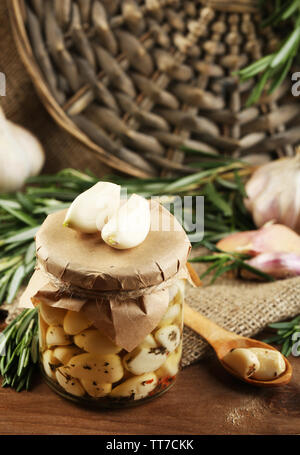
x=274 y=193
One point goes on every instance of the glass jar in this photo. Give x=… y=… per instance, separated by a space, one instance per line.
x=83 y=365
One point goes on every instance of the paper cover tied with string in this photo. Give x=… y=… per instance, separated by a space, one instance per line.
x=124 y=293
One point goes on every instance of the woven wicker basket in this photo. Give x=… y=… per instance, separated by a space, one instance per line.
x=142 y=82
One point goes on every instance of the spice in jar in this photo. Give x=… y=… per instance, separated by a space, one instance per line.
x=110 y=320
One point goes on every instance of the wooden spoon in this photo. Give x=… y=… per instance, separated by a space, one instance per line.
x=222 y=341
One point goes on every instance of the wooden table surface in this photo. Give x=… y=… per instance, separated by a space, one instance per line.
x=205 y=400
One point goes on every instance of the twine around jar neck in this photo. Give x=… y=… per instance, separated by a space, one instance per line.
x=72 y=291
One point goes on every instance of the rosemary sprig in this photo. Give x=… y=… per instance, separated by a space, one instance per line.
x=19 y=350
x=286 y=335
x=22 y=214
x=226 y=262
x=273 y=68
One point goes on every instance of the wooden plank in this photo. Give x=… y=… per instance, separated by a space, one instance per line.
x=205 y=400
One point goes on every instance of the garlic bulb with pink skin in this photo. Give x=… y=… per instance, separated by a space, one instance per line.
x=274 y=193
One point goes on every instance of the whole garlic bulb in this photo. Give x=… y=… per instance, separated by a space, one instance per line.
x=274 y=193
x=21 y=155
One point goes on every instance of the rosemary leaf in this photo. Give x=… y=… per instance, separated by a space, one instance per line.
x=216 y=198
x=21 y=343
x=209 y=269
x=274 y=67
x=22 y=236
x=223 y=268
x=15 y=283
x=253 y=270
x=22 y=216
x=285 y=50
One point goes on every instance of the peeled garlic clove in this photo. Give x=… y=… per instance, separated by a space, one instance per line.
x=181 y=287
x=93 y=208
x=144 y=359
x=49 y=363
x=52 y=315
x=242 y=361
x=278 y=265
x=43 y=327
x=69 y=384
x=272 y=364
x=169 y=337
x=65 y=353
x=103 y=369
x=130 y=226
x=93 y=341
x=148 y=342
x=136 y=388
x=95 y=389
x=171 y=366
x=176 y=292
x=75 y=322
x=56 y=336
x=173 y=290
x=172 y=313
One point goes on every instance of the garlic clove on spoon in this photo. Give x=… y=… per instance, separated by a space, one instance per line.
x=92 y=209
x=130 y=226
x=243 y=361
x=272 y=364
x=258 y=363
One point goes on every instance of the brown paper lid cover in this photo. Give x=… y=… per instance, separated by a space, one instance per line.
x=87 y=262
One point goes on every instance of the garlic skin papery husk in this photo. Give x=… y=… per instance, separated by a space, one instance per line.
x=275 y=247
x=130 y=226
x=274 y=193
x=271 y=238
x=277 y=265
x=90 y=211
x=21 y=155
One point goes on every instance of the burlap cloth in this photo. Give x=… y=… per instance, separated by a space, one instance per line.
x=244 y=307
